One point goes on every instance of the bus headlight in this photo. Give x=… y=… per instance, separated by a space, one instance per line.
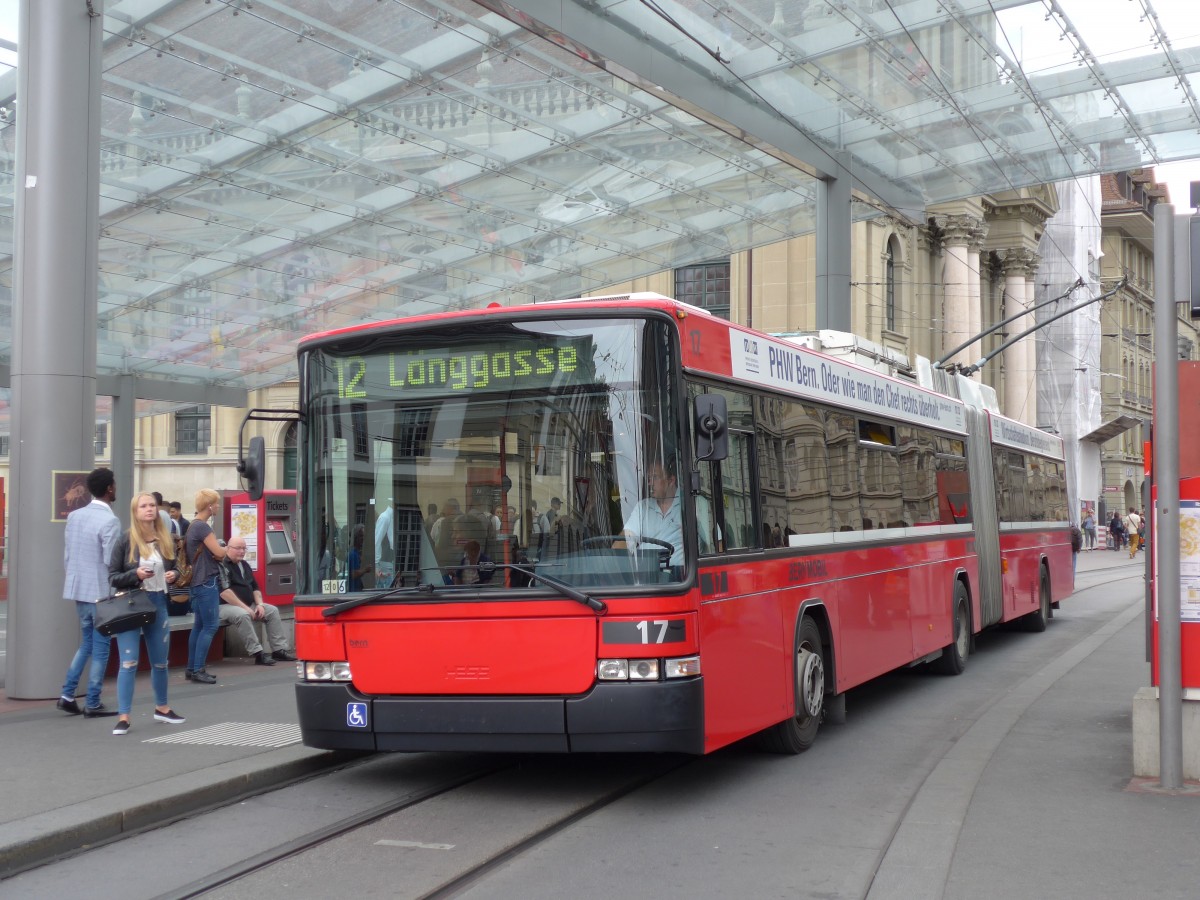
x=613 y=670
x=324 y=671
x=643 y=670
x=628 y=670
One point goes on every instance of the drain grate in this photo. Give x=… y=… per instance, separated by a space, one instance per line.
x=234 y=734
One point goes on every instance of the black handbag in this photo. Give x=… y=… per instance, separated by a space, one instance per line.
x=124 y=611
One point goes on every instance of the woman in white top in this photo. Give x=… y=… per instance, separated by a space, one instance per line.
x=144 y=557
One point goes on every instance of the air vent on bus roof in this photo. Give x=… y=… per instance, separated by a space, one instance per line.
x=634 y=297
x=851 y=347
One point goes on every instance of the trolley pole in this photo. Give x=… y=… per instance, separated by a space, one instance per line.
x=1166 y=511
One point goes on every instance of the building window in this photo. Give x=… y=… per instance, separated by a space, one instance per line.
x=3 y=445
x=101 y=439
x=705 y=285
x=290 y=457
x=193 y=429
x=889 y=272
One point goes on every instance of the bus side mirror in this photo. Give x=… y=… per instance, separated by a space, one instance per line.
x=252 y=466
x=712 y=441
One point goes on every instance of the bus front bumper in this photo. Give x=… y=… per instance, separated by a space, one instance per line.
x=659 y=717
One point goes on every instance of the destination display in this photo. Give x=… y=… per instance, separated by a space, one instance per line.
x=460 y=369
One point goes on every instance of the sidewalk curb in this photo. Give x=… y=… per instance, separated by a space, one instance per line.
x=36 y=840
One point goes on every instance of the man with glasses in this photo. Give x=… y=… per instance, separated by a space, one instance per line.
x=242 y=606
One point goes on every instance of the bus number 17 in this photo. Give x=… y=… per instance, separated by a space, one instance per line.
x=644 y=628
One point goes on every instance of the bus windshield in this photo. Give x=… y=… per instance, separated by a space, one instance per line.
x=474 y=455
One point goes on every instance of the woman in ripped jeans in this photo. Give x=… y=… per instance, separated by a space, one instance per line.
x=144 y=557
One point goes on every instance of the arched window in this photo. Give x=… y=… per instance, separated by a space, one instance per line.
x=889 y=281
x=290 y=459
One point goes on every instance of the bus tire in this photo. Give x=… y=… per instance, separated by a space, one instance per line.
x=953 y=660
x=1036 y=620
x=797 y=734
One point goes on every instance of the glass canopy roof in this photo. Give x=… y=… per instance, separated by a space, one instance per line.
x=271 y=168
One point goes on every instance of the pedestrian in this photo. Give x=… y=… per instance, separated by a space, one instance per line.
x=91 y=533
x=546 y=524
x=204 y=552
x=144 y=557
x=1133 y=527
x=1089 y=530
x=242 y=606
x=175 y=509
x=164 y=513
x=1116 y=529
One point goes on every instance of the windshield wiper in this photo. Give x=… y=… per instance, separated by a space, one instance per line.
x=561 y=586
x=331 y=611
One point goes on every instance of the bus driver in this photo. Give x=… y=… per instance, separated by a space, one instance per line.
x=660 y=517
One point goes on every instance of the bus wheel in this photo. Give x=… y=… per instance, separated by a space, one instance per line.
x=1036 y=621
x=954 y=655
x=795 y=735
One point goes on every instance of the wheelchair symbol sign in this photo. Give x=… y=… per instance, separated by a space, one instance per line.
x=356 y=715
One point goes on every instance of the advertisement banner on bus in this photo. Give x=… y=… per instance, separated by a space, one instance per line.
x=798 y=371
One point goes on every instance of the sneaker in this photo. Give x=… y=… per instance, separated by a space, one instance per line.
x=202 y=677
x=170 y=717
x=68 y=706
x=122 y=727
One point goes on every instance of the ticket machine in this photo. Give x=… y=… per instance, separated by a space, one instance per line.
x=269 y=526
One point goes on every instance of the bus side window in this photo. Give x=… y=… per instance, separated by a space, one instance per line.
x=738 y=529
x=706 y=506
x=726 y=518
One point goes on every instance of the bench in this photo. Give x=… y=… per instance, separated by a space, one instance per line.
x=180 y=629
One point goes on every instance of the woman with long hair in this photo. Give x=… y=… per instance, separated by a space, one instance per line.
x=204 y=552
x=144 y=557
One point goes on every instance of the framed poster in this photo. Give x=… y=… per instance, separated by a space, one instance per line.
x=69 y=492
x=243 y=523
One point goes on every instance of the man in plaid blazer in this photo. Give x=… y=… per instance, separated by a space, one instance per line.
x=92 y=531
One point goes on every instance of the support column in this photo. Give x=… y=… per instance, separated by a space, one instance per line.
x=833 y=254
x=1031 y=344
x=54 y=324
x=121 y=443
x=956 y=273
x=1019 y=400
x=974 y=289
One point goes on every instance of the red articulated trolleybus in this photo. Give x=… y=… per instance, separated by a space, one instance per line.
x=624 y=524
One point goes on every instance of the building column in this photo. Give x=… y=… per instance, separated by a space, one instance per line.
x=55 y=236
x=956 y=276
x=1031 y=342
x=974 y=288
x=1020 y=365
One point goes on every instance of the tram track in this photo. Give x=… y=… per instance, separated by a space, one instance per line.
x=416 y=803
x=660 y=768
x=328 y=832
